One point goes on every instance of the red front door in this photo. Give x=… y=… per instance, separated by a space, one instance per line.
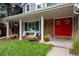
x=58 y=27
x=67 y=27
x=63 y=27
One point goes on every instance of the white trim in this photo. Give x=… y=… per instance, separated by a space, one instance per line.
x=39 y=27
x=39 y=8
x=36 y=7
x=23 y=27
x=75 y=12
x=31 y=31
x=64 y=17
x=7 y=29
x=42 y=29
x=29 y=7
x=23 y=9
x=73 y=20
x=45 y=5
x=20 y=30
x=54 y=28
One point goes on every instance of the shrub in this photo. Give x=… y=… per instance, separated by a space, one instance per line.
x=75 y=46
x=46 y=37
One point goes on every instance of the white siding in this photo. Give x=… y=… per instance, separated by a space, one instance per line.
x=33 y=6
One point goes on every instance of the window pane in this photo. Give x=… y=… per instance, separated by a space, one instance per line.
x=32 y=26
x=38 y=6
x=28 y=7
x=37 y=26
x=25 y=26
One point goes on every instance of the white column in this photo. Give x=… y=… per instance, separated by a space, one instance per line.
x=42 y=29
x=20 y=30
x=7 y=29
x=23 y=27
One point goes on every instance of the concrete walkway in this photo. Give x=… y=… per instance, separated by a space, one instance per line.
x=57 y=51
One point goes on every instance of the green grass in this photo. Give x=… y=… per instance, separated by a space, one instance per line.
x=23 y=48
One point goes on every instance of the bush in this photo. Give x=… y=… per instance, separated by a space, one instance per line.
x=46 y=37
x=75 y=46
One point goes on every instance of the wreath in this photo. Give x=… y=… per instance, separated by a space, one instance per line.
x=67 y=21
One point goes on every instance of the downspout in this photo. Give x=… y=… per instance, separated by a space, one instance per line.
x=75 y=20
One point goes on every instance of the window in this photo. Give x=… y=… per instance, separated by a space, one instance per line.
x=25 y=26
x=28 y=7
x=32 y=26
x=67 y=21
x=39 y=6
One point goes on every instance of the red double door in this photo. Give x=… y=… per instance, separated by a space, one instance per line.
x=63 y=27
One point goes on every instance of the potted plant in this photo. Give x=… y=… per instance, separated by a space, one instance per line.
x=46 y=38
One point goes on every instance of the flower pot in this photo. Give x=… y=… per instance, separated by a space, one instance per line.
x=46 y=40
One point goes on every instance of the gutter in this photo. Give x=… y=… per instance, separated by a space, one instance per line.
x=74 y=9
x=75 y=12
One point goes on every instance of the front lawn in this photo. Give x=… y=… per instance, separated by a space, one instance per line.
x=23 y=48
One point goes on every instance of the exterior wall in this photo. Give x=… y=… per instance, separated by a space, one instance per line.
x=44 y=5
x=33 y=6
x=49 y=26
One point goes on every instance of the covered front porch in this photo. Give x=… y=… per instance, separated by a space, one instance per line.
x=41 y=21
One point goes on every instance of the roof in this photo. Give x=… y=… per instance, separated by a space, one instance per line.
x=39 y=12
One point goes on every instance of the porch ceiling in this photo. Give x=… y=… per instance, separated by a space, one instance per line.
x=48 y=13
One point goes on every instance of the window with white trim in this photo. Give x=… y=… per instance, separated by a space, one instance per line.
x=38 y=6
x=28 y=7
x=32 y=26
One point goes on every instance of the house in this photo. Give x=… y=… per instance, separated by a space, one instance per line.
x=59 y=20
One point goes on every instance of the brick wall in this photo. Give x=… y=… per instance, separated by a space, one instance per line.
x=48 y=26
